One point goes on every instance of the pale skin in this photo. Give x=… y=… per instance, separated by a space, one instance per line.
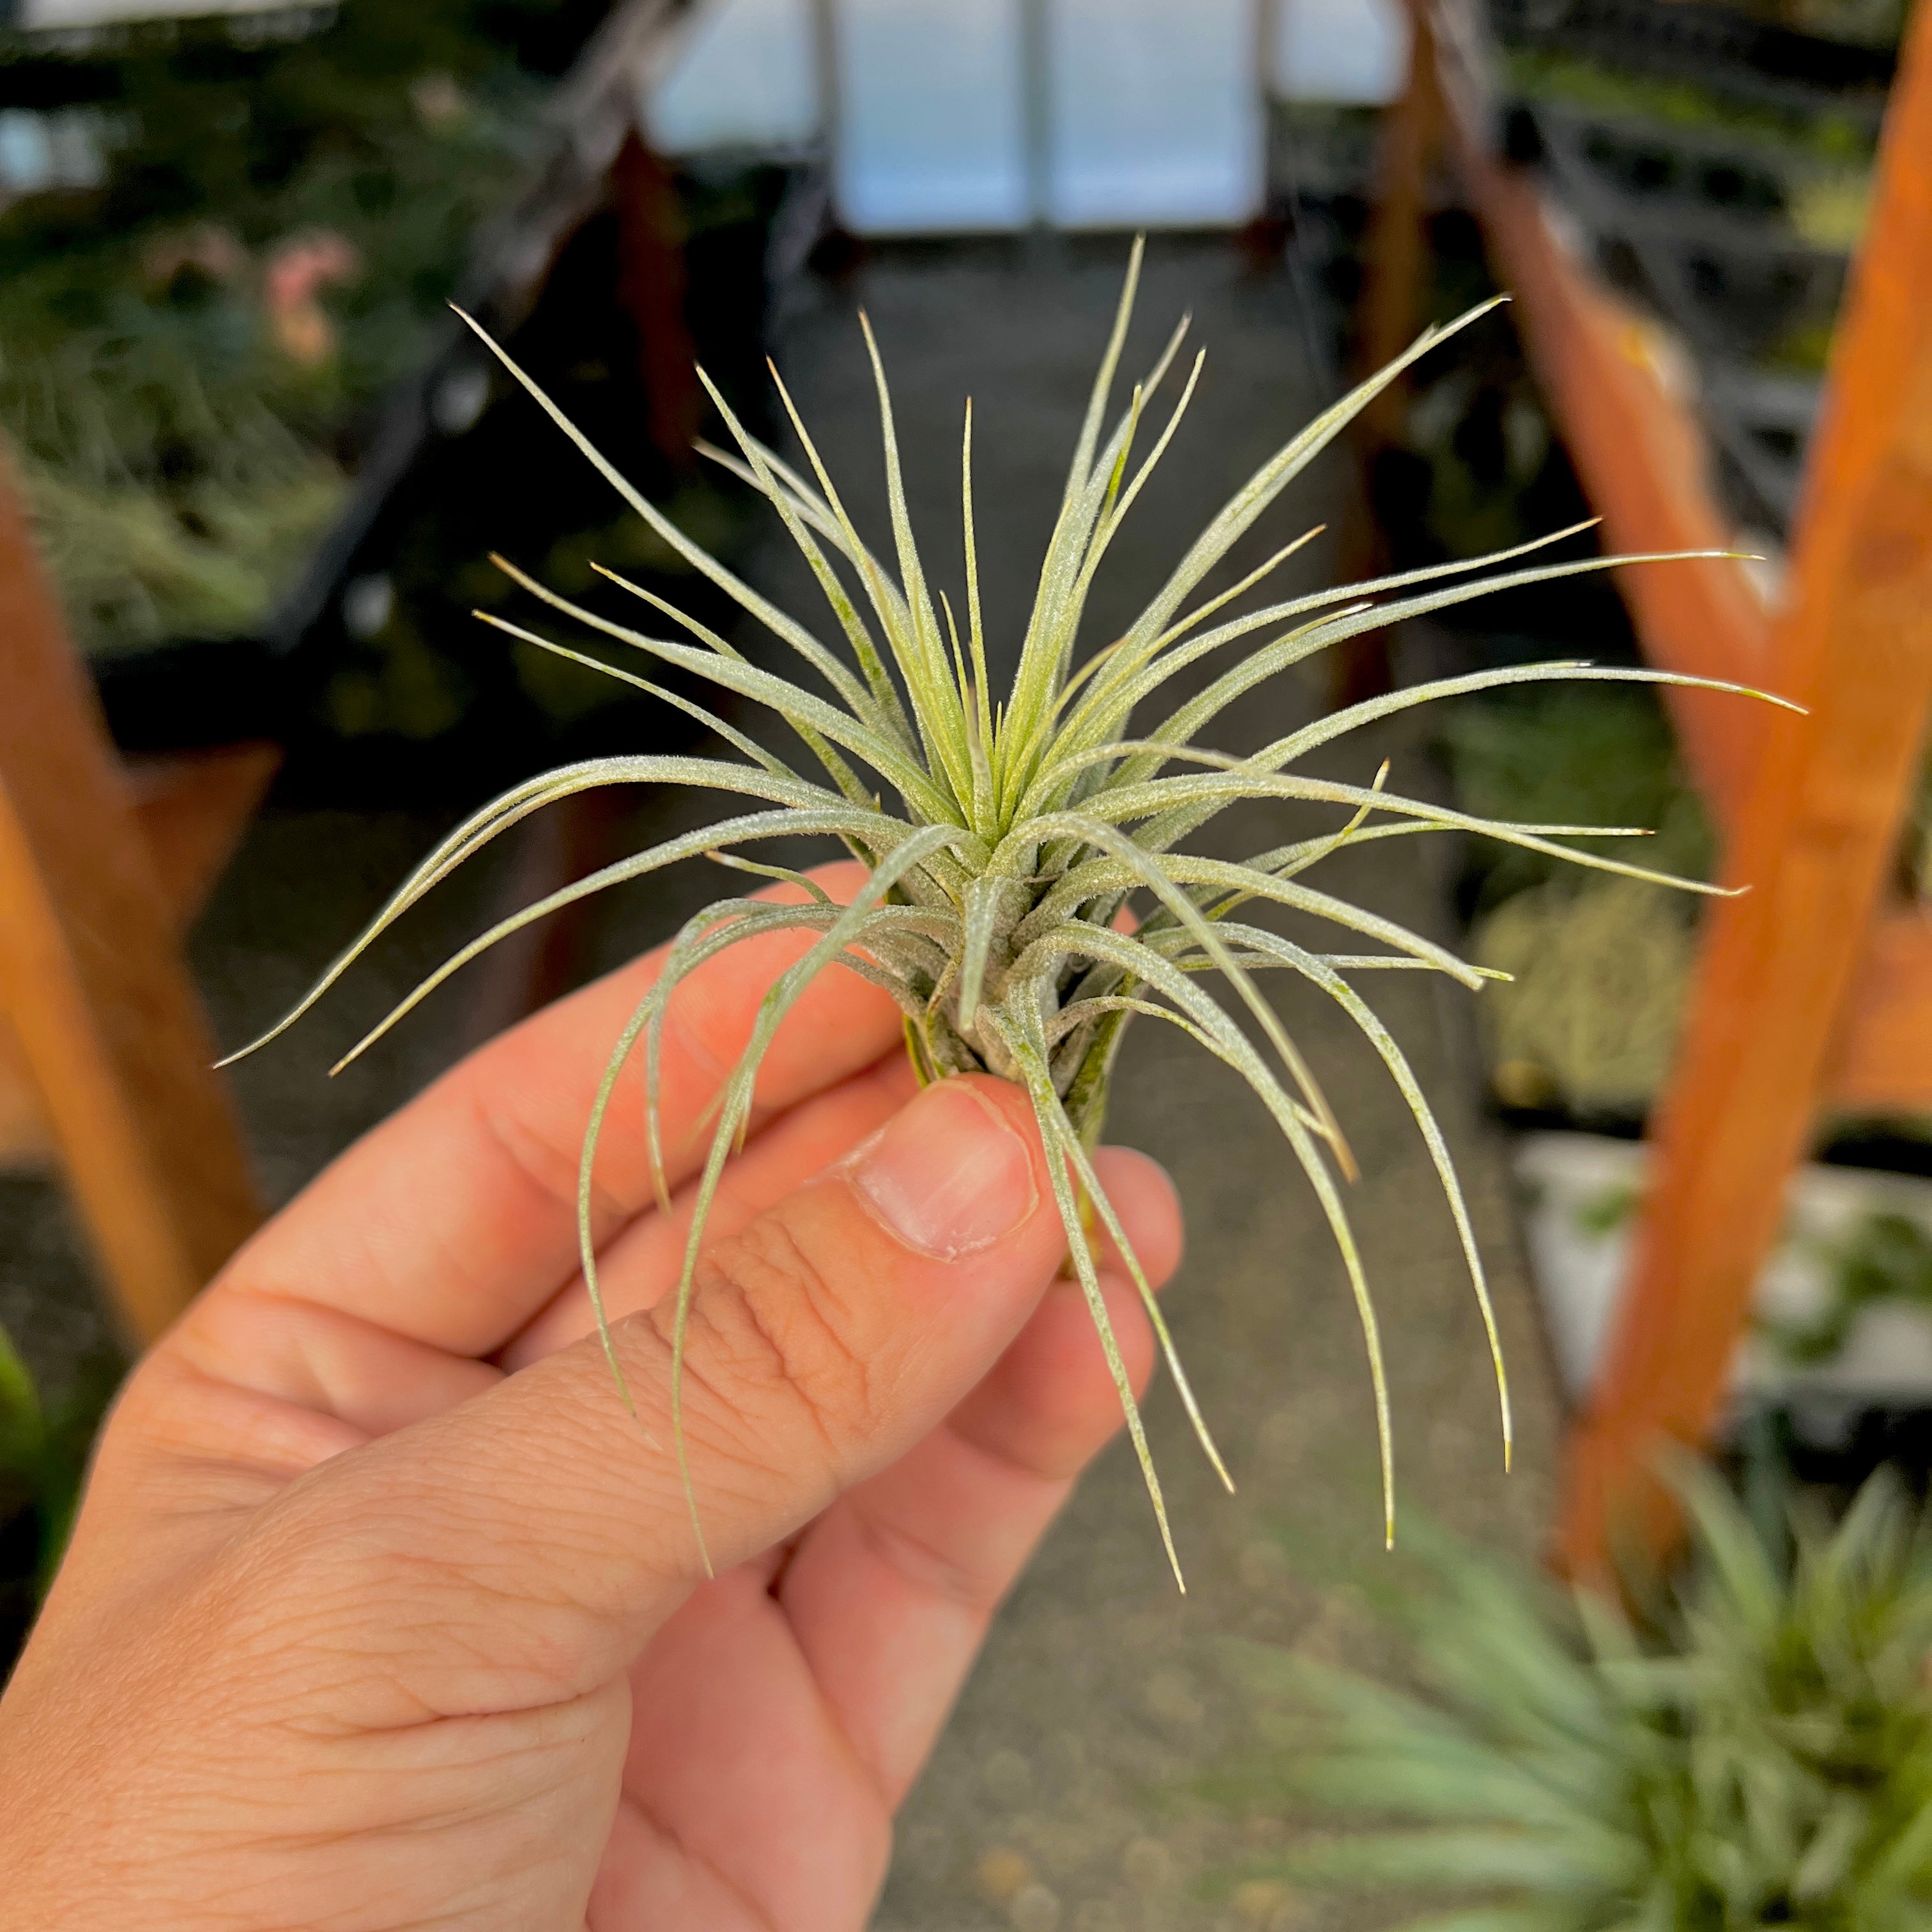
x=381 y=1613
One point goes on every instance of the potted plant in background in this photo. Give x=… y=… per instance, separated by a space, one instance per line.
x=1753 y=1747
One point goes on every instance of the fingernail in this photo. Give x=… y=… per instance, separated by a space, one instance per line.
x=949 y=1175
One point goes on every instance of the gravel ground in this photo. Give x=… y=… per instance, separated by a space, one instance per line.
x=1063 y=1798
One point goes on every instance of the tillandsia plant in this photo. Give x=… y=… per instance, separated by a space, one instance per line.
x=1019 y=830
x=1755 y=1752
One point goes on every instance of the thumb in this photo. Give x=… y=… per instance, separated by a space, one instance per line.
x=544 y=1537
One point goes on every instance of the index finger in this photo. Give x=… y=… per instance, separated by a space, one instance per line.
x=452 y=1221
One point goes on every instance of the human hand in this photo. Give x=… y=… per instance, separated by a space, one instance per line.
x=380 y=1612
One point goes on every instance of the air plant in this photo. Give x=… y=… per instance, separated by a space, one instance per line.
x=1755 y=1751
x=1019 y=831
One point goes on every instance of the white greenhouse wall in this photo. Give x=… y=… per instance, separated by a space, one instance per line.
x=1154 y=114
x=744 y=74
x=1345 y=51
x=931 y=131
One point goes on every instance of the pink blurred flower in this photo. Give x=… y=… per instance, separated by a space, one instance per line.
x=298 y=269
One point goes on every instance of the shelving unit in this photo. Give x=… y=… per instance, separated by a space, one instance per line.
x=1814 y=989
x=106 y=1054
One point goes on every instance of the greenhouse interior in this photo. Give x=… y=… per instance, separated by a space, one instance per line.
x=441 y=447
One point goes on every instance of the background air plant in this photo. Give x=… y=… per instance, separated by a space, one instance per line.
x=1018 y=832
x=1759 y=1752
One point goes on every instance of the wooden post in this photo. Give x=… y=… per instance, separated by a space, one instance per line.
x=1395 y=256
x=191 y=811
x=1395 y=269
x=1814 y=846
x=108 y=1025
x=650 y=291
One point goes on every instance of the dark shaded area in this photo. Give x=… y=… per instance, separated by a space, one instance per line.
x=402 y=135
x=433 y=703
x=1745 y=55
x=1482 y=468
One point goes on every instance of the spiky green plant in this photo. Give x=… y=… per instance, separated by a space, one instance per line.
x=1758 y=1753
x=1022 y=829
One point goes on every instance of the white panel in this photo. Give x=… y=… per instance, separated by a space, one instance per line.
x=26 y=152
x=1340 y=50
x=39 y=150
x=931 y=133
x=1155 y=113
x=745 y=75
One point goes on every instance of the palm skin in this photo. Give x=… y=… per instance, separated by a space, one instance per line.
x=382 y=1613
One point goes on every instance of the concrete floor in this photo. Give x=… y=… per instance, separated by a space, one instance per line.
x=1064 y=1796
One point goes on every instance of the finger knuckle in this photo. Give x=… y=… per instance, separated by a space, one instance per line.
x=773 y=1329
x=549 y=1169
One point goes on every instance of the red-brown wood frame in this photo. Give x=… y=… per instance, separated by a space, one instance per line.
x=94 y=997
x=1813 y=987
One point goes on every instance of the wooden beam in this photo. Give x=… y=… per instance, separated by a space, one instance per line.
x=1881 y=1059
x=25 y=1141
x=107 y=1022
x=191 y=809
x=1395 y=276
x=1814 y=843
x=651 y=292
x=191 y=812
x=1395 y=252
x=1623 y=410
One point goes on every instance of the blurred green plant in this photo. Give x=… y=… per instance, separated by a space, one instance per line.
x=182 y=349
x=43 y=1451
x=1588 y=1021
x=1540 y=74
x=1757 y=1752
x=1885 y=1259
x=1609 y=749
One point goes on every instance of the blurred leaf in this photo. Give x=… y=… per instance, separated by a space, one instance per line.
x=22 y=1426
x=1758 y=1753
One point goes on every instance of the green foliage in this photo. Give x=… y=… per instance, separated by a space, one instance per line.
x=1886 y=1258
x=1836 y=139
x=1759 y=1753
x=43 y=1459
x=1599 y=752
x=1587 y=1018
x=1608 y=1209
x=1597 y=967
x=1019 y=829
x=179 y=441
